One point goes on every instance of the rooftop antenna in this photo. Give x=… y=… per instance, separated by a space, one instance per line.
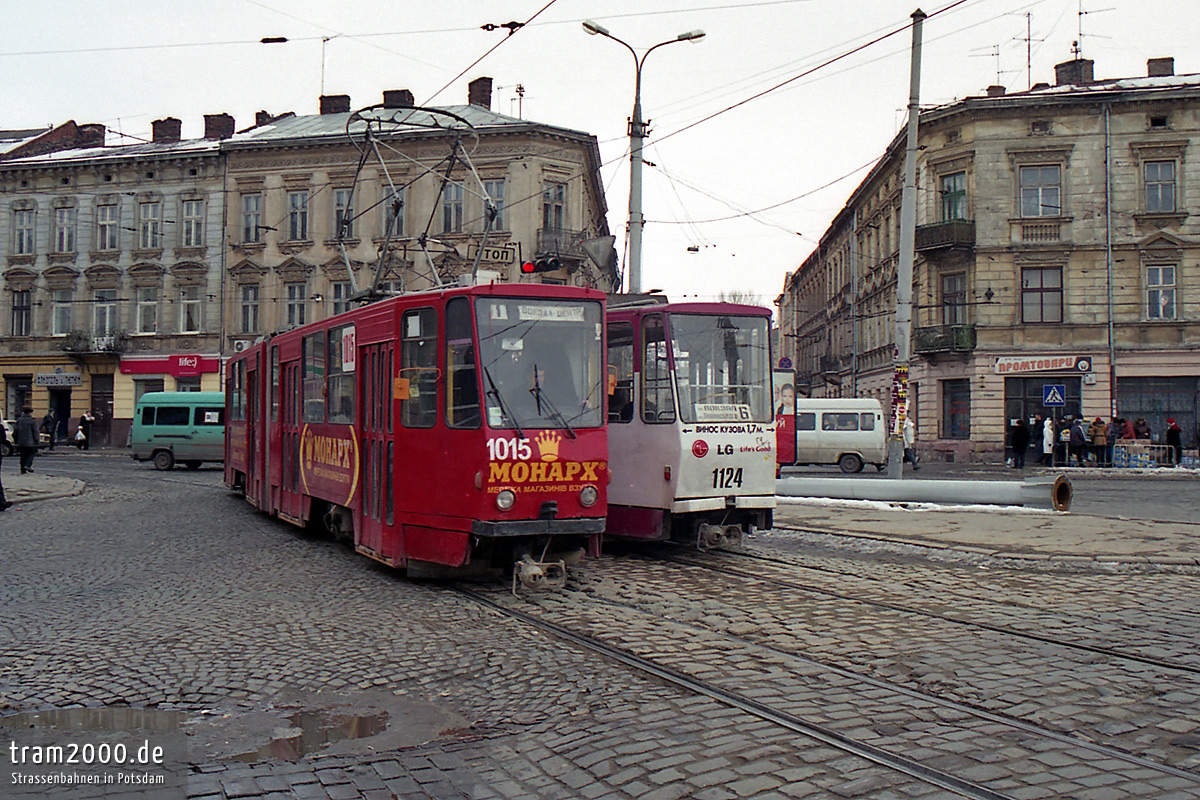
x=1077 y=45
x=994 y=53
x=519 y=99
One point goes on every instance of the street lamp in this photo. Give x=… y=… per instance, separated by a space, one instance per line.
x=637 y=133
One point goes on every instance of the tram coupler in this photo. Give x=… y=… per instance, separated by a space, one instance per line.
x=537 y=575
x=709 y=536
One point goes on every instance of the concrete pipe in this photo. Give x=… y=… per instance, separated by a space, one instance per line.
x=1052 y=493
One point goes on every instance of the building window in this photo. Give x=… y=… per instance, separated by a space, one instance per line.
x=251 y=218
x=954 y=299
x=104 y=312
x=22 y=311
x=495 y=191
x=249 y=305
x=193 y=223
x=554 y=206
x=343 y=214
x=1160 y=186
x=393 y=211
x=1041 y=191
x=64 y=230
x=189 y=309
x=107 y=228
x=23 y=231
x=150 y=226
x=298 y=216
x=954 y=196
x=61 y=316
x=1160 y=292
x=452 y=208
x=147 y=310
x=1041 y=294
x=341 y=296
x=297 y=303
x=956 y=409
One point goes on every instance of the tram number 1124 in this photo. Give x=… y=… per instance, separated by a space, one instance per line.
x=727 y=478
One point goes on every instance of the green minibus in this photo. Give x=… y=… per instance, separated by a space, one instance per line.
x=188 y=427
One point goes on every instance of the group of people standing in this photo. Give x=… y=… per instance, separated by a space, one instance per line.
x=1058 y=442
x=26 y=435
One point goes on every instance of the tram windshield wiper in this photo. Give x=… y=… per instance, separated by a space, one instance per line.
x=494 y=392
x=539 y=395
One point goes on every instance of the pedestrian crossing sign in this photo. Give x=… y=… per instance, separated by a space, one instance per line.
x=1054 y=395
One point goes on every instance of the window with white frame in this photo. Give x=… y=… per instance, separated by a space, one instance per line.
x=1041 y=190
x=251 y=218
x=495 y=191
x=64 y=230
x=298 y=216
x=343 y=214
x=193 y=223
x=150 y=225
x=147 y=310
x=393 y=212
x=61 y=312
x=554 y=206
x=249 y=307
x=107 y=228
x=296 y=303
x=104 y=312
x=1041 y=294
x=22 y=311
x=189 y=309
x=1160 y=186
x=24 y=231
x=341 y=296
x=452 y=208
x=1160 y=291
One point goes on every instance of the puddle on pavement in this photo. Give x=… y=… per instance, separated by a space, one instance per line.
x=313 y=730
x=96 y=719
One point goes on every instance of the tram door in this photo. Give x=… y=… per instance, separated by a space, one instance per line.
x=376 y=454
x=255 y=482
x=291 y=500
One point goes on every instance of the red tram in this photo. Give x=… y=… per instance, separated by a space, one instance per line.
x=441 y=432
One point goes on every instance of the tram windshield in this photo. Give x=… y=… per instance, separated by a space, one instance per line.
x=542 y=362
x=722 y=367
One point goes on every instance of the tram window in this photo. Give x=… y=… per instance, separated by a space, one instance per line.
x=237 y=403
x=341 y=376
x=313 y=358
x=658 y=400
x=866 y=422
x=418 y=365
x=462 y=388
x=806 y=421
x=620 y=372
x=275 y=383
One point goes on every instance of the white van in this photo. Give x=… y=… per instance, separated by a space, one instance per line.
x=849 y=432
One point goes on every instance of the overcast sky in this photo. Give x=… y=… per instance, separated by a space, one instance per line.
x=797 y=151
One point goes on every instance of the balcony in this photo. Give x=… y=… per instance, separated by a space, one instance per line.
x=944 y=339
x=955 y=233
x=83 y=343
x=831 y=363
x=560 y=242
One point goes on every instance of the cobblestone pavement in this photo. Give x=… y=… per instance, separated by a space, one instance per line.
x=164 y=591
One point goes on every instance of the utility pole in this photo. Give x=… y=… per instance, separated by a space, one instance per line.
x=904 y=270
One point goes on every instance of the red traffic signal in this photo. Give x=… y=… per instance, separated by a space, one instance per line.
x=541 y=265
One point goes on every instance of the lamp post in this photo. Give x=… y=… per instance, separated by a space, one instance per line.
x=637 y=133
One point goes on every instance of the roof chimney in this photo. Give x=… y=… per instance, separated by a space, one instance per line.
x=1160 y=67
x=335 y=104
x=995 y=91
x=1074 y=73
x=479 y=92
x=91 y=134
x=218 y=126
x=397 y=98
x=166 y=130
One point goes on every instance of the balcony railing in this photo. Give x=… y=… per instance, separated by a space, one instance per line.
x=560 y=242
x=831 y=363
x=84 y=342
x=944 y=339
x=959 y=233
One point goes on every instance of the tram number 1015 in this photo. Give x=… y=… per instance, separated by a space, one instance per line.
x=727 y=478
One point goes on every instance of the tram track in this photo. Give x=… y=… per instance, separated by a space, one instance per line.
x=752 y=701
x=1108 y=652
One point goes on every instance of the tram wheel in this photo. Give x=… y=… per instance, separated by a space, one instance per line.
x=164 y=460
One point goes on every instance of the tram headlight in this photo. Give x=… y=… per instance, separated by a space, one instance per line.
x=588 y=496
x=506 y=500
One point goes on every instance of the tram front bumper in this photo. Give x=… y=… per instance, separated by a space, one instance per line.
x=503 y=529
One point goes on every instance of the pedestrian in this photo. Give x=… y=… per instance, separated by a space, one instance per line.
x=1035 y=436
x=1048 y=442
x=85 y=426
x=1097 y=437
x=50 y=426
x=1110 y=438
x=1018 y=436
x=1141 y=429
x=1127 y=431
x=25 y=434
x=4 y=504
x=1062 y=444
x=910 y=443
x=1174 y=441
x=1077 y=442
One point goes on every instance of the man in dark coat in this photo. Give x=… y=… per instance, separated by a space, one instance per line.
x=25 y=432
x=50 y=426
x=1018 y=436
x=1174 y=440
